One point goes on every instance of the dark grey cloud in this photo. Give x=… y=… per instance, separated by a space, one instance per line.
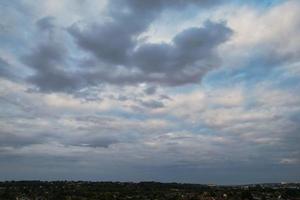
x=152 y=104
x=165 y=97
x=18 y=140
x=46 y=56
x=55 y=80
x=113 y=44
x=191 y=52
x=46 y=23
x=94 y=140
x=190 y=56
x=108 y=42
x=150 y=90
x=114 y=40
x=9 y=71
x=49 y=61
x=5 y=69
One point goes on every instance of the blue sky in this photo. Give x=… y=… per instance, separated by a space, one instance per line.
x=188 y=91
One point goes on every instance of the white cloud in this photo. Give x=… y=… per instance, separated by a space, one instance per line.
x=271 y=32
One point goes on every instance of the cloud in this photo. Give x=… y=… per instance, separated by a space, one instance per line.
x=152 y=104
x=46 y=23
x=113 y=41
x=108 y=42
x=187 y=59
x=49 y=62
x=274 y=45
x=150 y=90
x=5 y=69
x=289 y=161
x=15 y=140
x=95 y=141
x=116 y=54
x=171 y=109
x=193 y=131
x=167 y=64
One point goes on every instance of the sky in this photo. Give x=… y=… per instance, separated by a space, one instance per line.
x=198 y=91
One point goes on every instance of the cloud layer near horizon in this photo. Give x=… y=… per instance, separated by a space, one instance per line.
x=193 y=91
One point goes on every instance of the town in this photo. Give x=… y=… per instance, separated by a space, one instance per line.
x=86 y=190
